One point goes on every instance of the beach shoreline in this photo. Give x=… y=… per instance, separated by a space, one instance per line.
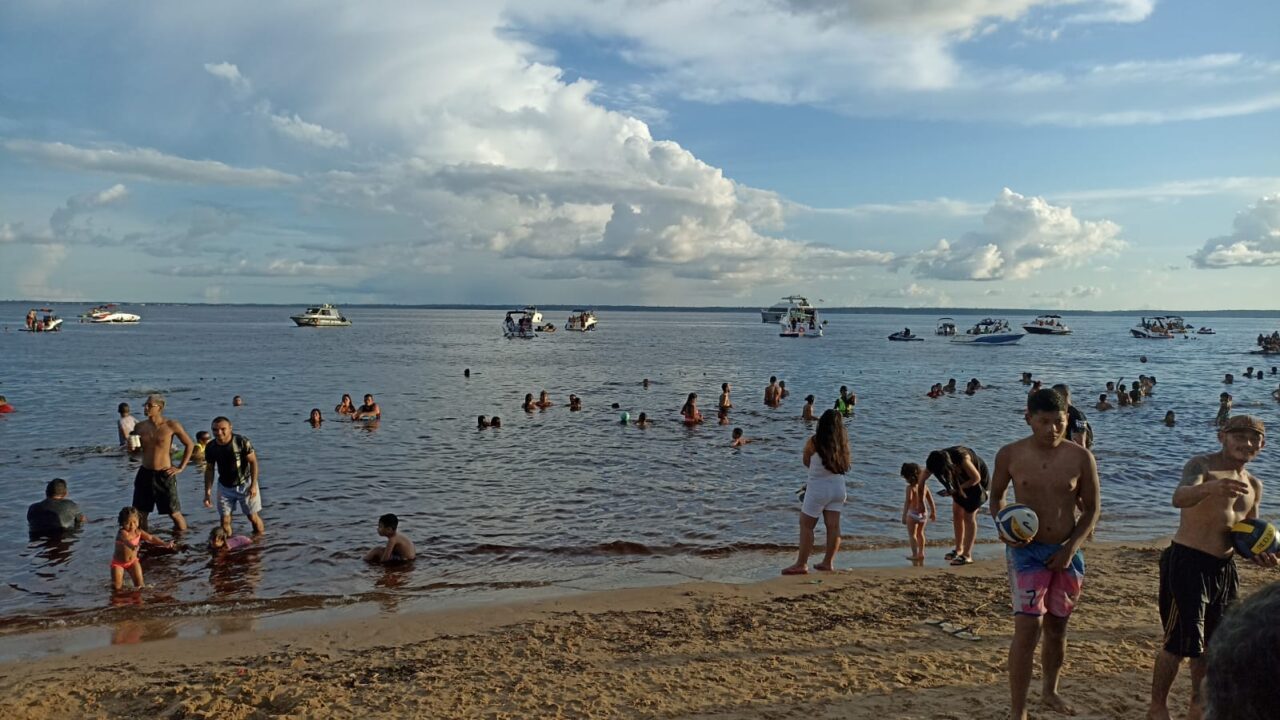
x=854 y=644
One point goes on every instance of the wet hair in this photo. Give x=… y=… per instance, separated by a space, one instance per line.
x=1224 y=396
x=941 y=465
x=808 y=398
x=688 y=403
x=346 y=398
x=56 y=487
x=642 y=418
x=389 y=521
x=1135 y=395
x=217 y=536
x=495 y=422
x=1046 y=400
x=773 y=378
x=466 y=372
x=782 y=383
x=482 y=422
x=737 y=433
x=1246 y=640
x=831 y=443
x=128 y=512
x=724 y=386
x=122 y=408
x=1102 y=397
x=910 y=472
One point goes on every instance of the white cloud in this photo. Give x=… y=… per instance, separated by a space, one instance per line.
x=1174 y=189
x=1021 y=237
x=941 y=207
x=60 y=221
x=1254 y=242
x=277 y=268
x=916 y=295
x=147 y=164
x=303 y=131
x=229 y=72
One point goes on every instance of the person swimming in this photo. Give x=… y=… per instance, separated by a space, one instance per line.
x=690 y=410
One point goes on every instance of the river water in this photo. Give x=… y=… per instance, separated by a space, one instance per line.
x=555 y=498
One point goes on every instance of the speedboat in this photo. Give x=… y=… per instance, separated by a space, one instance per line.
x=322 y=316
x=1206 y=331
x=989 y=331
x=781 y=309
x=905 y=335
x=946 y=327
x=1175 y=324
x=36 y=323
x=519 y=324
x=1156 y=328
x=801 y=322
x=581 y=321
x=534 y=316
x=1047 y=325
x=109 y=313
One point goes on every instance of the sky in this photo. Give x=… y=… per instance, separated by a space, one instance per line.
x=1057 y=154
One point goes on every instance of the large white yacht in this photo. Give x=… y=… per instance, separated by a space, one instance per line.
x=782 y=309
x=322 y=316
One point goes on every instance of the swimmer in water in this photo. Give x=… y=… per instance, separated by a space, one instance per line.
x=399 y=547
x=807 y=413
x=202 y=441
x=1224 y=409
x=643 y=421
x=725 y=403
x=529 y=405
x=1103 y=404
x=690 y=410
x=544 y=400
x=368 y=411
x=1169 y=419
x=219 y=540
x=771 y=392
x=950 y=387
x=346 y=407
x=738 y=439
x=645 y=383
x=315 y=419
x=237 y=401
x=482 y=423
x=783 y=392
x=575 y=403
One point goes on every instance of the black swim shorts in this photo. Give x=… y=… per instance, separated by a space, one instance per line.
x=156 y=490
x=1195 y=590
x=970 y=498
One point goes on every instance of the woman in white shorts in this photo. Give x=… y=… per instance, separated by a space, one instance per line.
x=826 y=454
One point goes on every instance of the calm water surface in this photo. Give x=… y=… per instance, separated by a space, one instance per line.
x=554 y=498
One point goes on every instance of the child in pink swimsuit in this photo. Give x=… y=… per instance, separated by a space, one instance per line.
x=127 y=542
x=219 y=540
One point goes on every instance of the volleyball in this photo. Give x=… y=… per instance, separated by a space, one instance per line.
x=1017 y=523
x=1254 y=537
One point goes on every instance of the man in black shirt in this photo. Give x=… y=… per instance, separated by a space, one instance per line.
x=237 y=468
x=1077 y=424
x=55 y=514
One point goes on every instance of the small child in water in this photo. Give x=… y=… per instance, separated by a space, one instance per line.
x=399 y=547
x=219 y=540
x=918 y=502
x=1170 y=419
x=126 y=554
x=738 y=439
x=495 y=422
x=202 y=441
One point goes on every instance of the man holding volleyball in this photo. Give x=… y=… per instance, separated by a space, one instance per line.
x=1052 y=477
x=1198 y=578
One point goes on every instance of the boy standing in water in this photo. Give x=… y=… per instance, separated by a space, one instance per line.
x=1052 y=477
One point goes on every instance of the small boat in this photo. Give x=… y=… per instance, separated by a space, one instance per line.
x=1047 y=325
x=321 y=316
x=1156 y=328
x=801 y=322
x=581 y=321
x=109 y=313
x=519 y=324
x=989 y=331
x=946 y=327
x=534 y=316
x=48 y=323
x=781 y=309
x=905 y=335
x=1175 y=324
x=1206 y=331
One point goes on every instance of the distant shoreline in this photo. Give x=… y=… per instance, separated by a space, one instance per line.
x=868 y=310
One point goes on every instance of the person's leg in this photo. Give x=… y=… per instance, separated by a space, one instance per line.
x=801 y=565
x=831 y=521
x=913 y=529
x=1026 y=633
x=1166 y=671
x=970 y=532
x=1052 y=651
x=226 y=523
x=142 y=520
x=256 y=521
x=1195 y=711
x=957 y=524
x=117 y=578
x=375 y=554
x=179 y=522
x=136 y=571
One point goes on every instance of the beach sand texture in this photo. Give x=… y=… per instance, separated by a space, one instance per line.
x=856 y=644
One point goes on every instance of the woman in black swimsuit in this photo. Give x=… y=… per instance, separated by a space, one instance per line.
x=965 y=478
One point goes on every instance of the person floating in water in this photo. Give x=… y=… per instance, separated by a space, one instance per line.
x=368 y=411
x=399 y=547
x=346 y=407
x=544 y=400
x=316 y=419
x=738 y=439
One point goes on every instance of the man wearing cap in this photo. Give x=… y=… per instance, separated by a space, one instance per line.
x=1198 y=578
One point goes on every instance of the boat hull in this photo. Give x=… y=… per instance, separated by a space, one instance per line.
x=1144 y=334
x=115 y=318
x=801 y=333
x=302 y=321
x=1042 y=330
x=898 y=338
x=992 y=339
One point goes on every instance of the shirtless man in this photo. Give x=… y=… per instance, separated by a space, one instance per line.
x=156 y=485
x=1051 y=476
x=1198 y=571
x=771 y=392
x=725 y=403
x=368 y=411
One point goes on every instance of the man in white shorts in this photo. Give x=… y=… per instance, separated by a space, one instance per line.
x=237 y=468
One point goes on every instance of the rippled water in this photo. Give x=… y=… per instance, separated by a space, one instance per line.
x=554 y=497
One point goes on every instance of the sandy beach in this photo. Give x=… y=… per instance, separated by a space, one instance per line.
x=854 y=644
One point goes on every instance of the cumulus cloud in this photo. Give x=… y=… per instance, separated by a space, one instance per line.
x=229 y=72
x=295 y=127
x=1254 y=242
x=60 y=221
x=1021 y=237
x=147 y=164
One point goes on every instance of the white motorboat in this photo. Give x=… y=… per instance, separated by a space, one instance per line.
x=779 y=311
x=946 y=327
x=37 y=323
x=581 y=321
x=989 y=331
x=1206 y=331
x=321 y=316
x=1156 y=328
x=519 y=324
x=1047 y=325
x=109 y=313
x=801 y=323
x=532 y=312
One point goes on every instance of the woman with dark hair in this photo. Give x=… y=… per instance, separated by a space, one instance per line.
x=966 y=480
x=315 y=418
x=690 y=410
x=346 y=407
x=826 y=454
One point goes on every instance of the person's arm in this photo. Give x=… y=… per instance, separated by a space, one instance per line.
x=1000 y=478
x=1088 y=499
x=808 y=451
x=928 y=502
x=1263 y=559
x=153 y=540
x=389 y=550
x=208 y=482
x=1194 y=488
x=188 y=446
x=973 y=477
x=906 y=505
x=1078 y=437
x=252 y=459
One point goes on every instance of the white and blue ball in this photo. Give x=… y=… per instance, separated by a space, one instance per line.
x=1255 y=537
x=1017 y=523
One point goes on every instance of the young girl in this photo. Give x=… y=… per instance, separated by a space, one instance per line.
x=219 y=540
x=346 y=407
x=918 y=501
x=127 y=542
x=690 y=410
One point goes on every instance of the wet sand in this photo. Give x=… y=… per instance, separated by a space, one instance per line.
x=855 y=644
